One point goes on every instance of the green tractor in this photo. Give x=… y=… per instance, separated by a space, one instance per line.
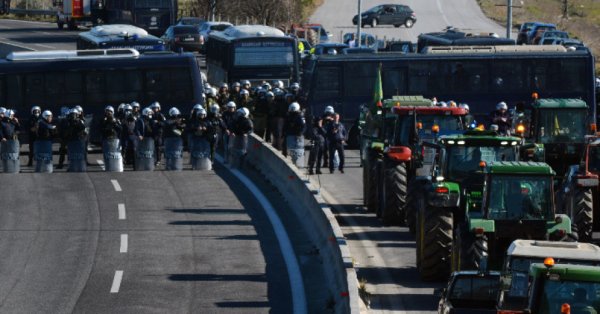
x=391 y=151
x=563 y=288
x=516 y=203
x=455 y=187
x=555 y=130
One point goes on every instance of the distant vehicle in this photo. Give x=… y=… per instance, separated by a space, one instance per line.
x=388 y=14
x=470 y=292
x=366 y=40
x=119 y=36
x=183 y=37
x=568 y=42
x=152 y=15
x=252 y=52
x=523 y=30
x=329 y=48
x=96 y=78
x=536 y=31
x=400 y=46
x=210 y=27
x=313 y=33
x=455 y=37
x=191 y=21
x=548 y=37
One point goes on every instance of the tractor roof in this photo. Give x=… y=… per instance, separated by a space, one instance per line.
x=520 y=167
x=560 y=103
x=568 y=272
x=476 y=137
x=404 y=105
x=558 y=250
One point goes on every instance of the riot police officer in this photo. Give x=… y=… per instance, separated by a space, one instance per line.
x=144 y=133
x=75 y=137
x=46 y=132
x=293 y=129
x=158 y=119
x=173 y=129
x=32 y=126
x=110 y=126
x=9 y=139
x=317 y=136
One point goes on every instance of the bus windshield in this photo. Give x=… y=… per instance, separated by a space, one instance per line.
x=562 y=125
x=582 y=296
x=264 y=53
x=520 y=197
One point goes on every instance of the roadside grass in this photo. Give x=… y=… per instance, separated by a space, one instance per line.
x=583 y=22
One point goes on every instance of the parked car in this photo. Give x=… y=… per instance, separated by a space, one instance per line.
x=568 y=42
x=537 y=29
x=366 y=40
x=388 y=14
x=186 y=37
x=329 y=48
x=301 y=31
x=209 y=27
x=525 y=28
x=470 y=292
x=191 y=21
x=548 y=37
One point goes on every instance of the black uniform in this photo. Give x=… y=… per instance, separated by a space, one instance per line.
x=9 y=129
x=46 y=131
x=242 y=126
x=32 y=126
x=502 y=120
x=110 y=128
x=158 y=119
x=336 y=135
x=317 y=136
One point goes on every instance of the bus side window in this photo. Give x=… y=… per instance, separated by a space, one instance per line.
x=34 y=89
x=123 y=85
x=95 y=83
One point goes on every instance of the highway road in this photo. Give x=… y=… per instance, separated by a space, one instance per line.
x=133 y=242
x=23 y=35
x=432 y=15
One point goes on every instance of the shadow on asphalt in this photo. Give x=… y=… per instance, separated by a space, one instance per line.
x=240 y=237
x=406 y=276
x=211 y=223
x=411 y=303
x=242 y=304
x=217 y=277
x=207 y=211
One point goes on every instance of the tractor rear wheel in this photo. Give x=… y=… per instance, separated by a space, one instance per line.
x=478 y=251
x=414 y=200
x=371 y=190
x=583 y=213
x=436 y=243
x=395 y=194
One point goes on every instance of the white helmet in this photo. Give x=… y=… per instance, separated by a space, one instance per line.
x=197 y=107
x=278 y=84
x=155 y=105
x=224 y=85
x=236 y=84
x=231 y=104
x=246 y=83
x=75 y=111
x=464 y=106
x=212 y=92
x=244 y=112
x=294 y=107
x=46 y=114
x=270 y=94
x=266 y=86
x=329 y=110
x=442 y=104
x=201 y=112
x=78 y=107
x=174 y=112
x=109 y=108
x=147 y=112
x=128 y=108
x=34 y=108
x=332 y=51
x=2 y=110
x=9 y=113
x=135 y=104
x=295 y=86
x=244 y=92
x=501 y=105
x=215 y=108
x=121 y=107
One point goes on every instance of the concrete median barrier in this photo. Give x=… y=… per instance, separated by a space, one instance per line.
x=314 y=216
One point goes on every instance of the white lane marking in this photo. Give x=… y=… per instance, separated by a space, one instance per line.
x=291 y=263
x=122 y=215
x=116 y=284
x=45 y=46
x=124 y=245
x=116 y=185
x=439 y=5
x=100 y=163
x=16 y=45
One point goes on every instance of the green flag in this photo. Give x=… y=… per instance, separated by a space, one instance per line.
x=378 y=90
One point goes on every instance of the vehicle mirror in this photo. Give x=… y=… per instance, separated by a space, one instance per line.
x=505 y=282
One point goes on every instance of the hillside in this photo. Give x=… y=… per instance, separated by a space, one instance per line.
x=583 y=20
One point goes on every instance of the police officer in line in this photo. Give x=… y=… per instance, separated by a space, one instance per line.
x=217 y=127
x=223 y=95
x=32 y=126
x=228 y=117
x=328 y=116
x=144 y=125
x=128 y=137
x=336 y=138
x=137 y=110
x=293 y=129
x=9 y=126
x=63 y=128
x=158 y=120
x=211 y=97
x=261 y=113
x=76 y=140
x=317 y=136
x=246 y=85
x=234 y=93
x=245 y=101
x=242 y=125
x=46 y=132
x=110 y=126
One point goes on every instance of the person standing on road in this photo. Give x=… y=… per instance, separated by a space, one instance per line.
x=336 y=137
x=32 y=126
x=328 y=117
x=229 y=116
x=223 y=96
x=157 y=121
x=215 y=129
x=293 y=129
x=317 y=135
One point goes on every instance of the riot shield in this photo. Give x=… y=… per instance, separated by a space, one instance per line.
x=76 y=153
x=10 y=156
x=238 y=148
x=295 y=149
x=144 y=155
x=43 y=156
x=174 y=153
x=113 y=160
x=200 y=155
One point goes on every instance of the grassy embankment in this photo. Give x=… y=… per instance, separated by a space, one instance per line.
x=583 y=22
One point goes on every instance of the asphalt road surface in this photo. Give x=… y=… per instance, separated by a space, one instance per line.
x=24 y=35
x=432 y=15
x=137 y=242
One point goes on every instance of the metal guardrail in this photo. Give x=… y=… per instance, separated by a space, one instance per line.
x=31 y=12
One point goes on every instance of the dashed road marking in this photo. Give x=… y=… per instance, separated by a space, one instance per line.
x=122 y=214
x=116 y=185
x=124 y=245
x=45 y=46
x=116 y=284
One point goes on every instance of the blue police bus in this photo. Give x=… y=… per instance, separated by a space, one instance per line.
x=251 y=52
x=152 y=15
x=479 y=76
x=94 y=79
x=119 y=36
